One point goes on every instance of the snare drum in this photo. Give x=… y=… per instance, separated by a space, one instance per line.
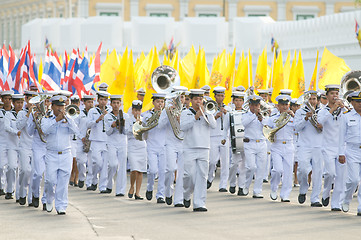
x=237 y=131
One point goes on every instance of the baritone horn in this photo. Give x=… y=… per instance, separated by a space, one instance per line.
x=39 y=102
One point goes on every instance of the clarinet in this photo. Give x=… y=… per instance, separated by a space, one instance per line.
x=103 y=121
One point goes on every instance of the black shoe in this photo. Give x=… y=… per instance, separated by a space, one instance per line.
x=119 y=195
x=179 y=205
x=232 y=189
x=35 y=202
x=22 y=201
x=81 y=184
x=285 y=200
x=358 y=214
x=200 y=209
x=222 y=190
x=149 y=195
x=108 y=190
x=30 y=205
x=17 y=200
x=71 y=183
x=209 y=184
x=187 y=203
x=90 y=188
x=130 y=195
x=257 y=196
x=169 y=200
x=138 y=197
x=265 y=181
x=316 y=204
x=301 y=198
x=240 y=192
x=325 y=202
x=76 y=185
x=44 y=206
x=61 y=212
x=94 y=187
x=336 y=209
x=160 y=200
x=8 y=196
x=2 y=192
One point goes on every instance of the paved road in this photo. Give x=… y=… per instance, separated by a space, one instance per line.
x=91 y=215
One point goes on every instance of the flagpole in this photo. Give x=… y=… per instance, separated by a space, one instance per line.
x=249 y=71
x=273 y=65
x=317 y=77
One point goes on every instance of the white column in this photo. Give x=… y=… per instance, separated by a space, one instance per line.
x=232 y=13
x=281 y=10
x=54 y=8
x=183 y=9
x=330 y=7
x=134 y=8
x=83 y=8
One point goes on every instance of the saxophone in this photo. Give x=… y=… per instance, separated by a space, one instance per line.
x=87 y=142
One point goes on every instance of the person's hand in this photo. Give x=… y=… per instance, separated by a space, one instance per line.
x=342 y=159
x=83 y=139
x=218 y=115
x=114 y=124
x=290 y=112
x=308 y=115
x=60 y=116
x=319 y=126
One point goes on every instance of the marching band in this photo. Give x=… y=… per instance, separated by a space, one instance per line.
x=93 y=141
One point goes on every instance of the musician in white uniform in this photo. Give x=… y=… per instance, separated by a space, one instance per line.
x=6 y=99
x=350 y=151
x=196 y=147
x=309 y=150
x=140 y=97
x=155 y=139
x=334 y=171
x=74 y=176
x=117 y=146
x=137 y=152
x=207 y=90
x=12 y=146
x=282 y=150
x=294 y=106
x=98 y=138
x=220 y=142
x=25 y=144
x=59 y=131
x=174 y=151
x=84 y=158
x=237 y=161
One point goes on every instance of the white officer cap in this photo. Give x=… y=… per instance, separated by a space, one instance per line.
x=158 y=96
x=283 y=99
x=219 y=89
x=103 y=87
x=263 y=91
x=240 y=89
x=58 y=100
x=294 y=101
x=285 y=92
x=238 y=94
x=116 y=97
x=196 y=92
x=74 y=98
x=137 y=104
x=206 y=88
x=255 y=99
x=30 y=93
x=103 y=94
x=65 y=93
x=7 y=93
x=313 y=92
x=208 y=98
x=321 y=93
x=17 y=97
x=187 y=93
x=88 y=97
x=51 y=93
x=270 y=91
x=179 y=89
x=141 y=91
x=332 y=87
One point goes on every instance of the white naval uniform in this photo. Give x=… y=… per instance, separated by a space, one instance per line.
x=38 y=163
x=26 y=153
x=282 y=155
x=309 y=154
x=98 y=148
x=350 y=147
x=58 y=159
x=12 y=149
x=174 y=161
x=137 y=151
x=3 y=141
x=255 y=151
x=117 y=154
x=83 y=159
x=334 y=171
x=196 y=146
x=237 y=163
x=218 y=151
x=155 y=139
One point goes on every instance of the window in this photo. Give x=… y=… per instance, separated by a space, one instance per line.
x=158 y=14
x=108 y=14
x=207 y=15
x=257 y=15
x=208 y=10
x=305 y=12
x=304 y=16
x=257 y=10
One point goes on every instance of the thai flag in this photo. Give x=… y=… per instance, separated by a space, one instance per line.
x=73 y=58
x=357 y=29
x=72 y=75
x=51 y=79
x=94 y=69
x=33 y=74
x=11 y=78
x=2 y=75
x=17 y=82
x=81 y=75
x=12 y=58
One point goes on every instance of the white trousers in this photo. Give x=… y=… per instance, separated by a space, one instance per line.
x=156 y=164
x=172 y=156
x=237 y=165
x=26 y=156
x=117 y=163
x=310 y=159
x=219 y=152
x=82 y=159
x=98 y=155
x=58 y=170
x=256 y=159
x=282 y=156
x=334 y=172
x=196 y=163
x=38 y=168
x=353 y=161
x=11 y=168
x=179 y=189
x=3 y=162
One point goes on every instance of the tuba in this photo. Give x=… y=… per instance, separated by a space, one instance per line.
x=304 y=99
x=350 y=82
x=280 y=122
x=39 y=102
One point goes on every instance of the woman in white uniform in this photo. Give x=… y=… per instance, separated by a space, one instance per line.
x=137 y=153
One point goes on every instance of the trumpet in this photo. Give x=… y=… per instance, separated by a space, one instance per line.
x=72 y=111
x=210 y=107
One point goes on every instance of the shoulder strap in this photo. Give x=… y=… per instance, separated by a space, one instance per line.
x=85 y=112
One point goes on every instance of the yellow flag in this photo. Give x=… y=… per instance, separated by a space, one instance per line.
x=175 y=61
x=228 y=80
x=271 y=75
x=287 y=70
x=117 y=86
x=278 y=78
x=332 y=69
x=298 y=78
x=166 y=60
x=130 y=93
x=314 y=76
x=40 y=71
x=293 y=81
x=142 y=73
x=109 y=68
x=261 y=71
x=201 y=73
x=187 y=67
x=219 y=69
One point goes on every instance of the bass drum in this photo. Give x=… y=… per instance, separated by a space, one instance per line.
x=237 y=132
